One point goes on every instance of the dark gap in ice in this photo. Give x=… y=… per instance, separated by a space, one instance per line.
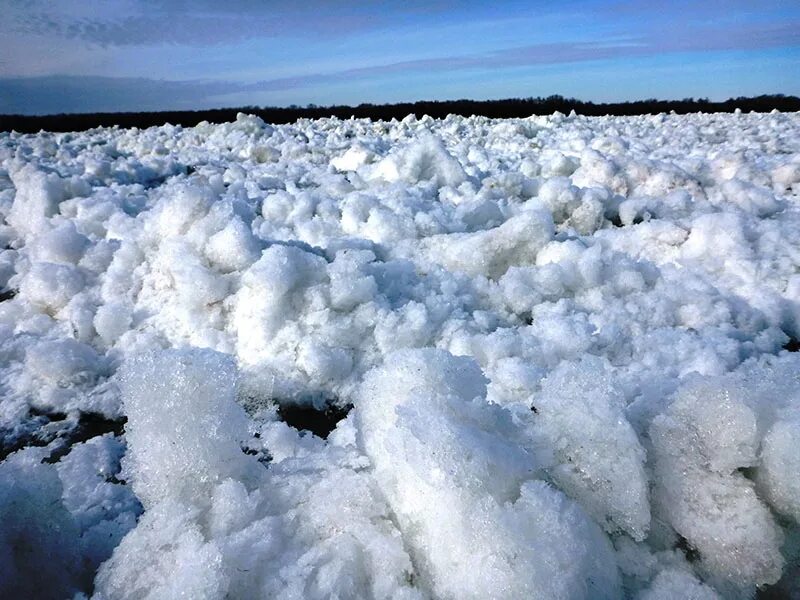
x=93 y=424
x=692 y=555
x=7 y=295
x=89 y=425
x=793 y=345
x=534 y=409
x=263 y=456
x=748 y=472
x=318 y=421
x=37 y=429
x=526 y=318
x=616 y=221
x=51 y=416
x=783 y=588
x=154 y=182
x=10 y=443
x=66 y=432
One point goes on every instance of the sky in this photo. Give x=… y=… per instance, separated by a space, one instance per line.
x=125 y=55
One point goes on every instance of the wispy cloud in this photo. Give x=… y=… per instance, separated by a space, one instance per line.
x=57 y=94
x=207 y=22
x=697 y=40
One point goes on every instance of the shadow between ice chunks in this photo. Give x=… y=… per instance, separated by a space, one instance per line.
x=307 y=417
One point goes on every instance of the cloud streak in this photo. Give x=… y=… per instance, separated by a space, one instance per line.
x=64 y=94
x=706 y=40
x=204 y=22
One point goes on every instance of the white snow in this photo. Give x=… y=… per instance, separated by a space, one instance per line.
x=562 y=339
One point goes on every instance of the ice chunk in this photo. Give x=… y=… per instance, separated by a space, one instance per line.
x=271 y=287
x=104 y=507
x=477 y=523
x=492 y=252
x=251 y=124
x=218 y=525
x=172 y=216
x=560 y=197
x=184 y=427
x=50 y=285
x=181 y=275
x=63 y=362
x=424 y=160
x=352 y=159
x=234 y=248
x=599 y=461
x=722 y=236
x=700 y=442
x=674 y=583
x=350 y=286
x=779 y=473
x=192 y=567
x=61 y=245
x=37 y=199
x=111 y=321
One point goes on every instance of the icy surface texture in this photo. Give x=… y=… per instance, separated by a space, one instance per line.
x=478 y=523
x=217 y=524
x=556 y=358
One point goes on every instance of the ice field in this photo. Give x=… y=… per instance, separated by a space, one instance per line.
x=558 y=355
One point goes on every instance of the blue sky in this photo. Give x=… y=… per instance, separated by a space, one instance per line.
x=92 y=55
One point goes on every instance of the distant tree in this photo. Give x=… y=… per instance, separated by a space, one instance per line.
x=510 y=107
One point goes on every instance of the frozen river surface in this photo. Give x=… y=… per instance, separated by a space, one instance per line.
x=555 y=354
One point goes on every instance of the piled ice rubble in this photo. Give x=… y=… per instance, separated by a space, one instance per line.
x=564 y=340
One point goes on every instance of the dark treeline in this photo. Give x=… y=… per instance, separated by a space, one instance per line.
x=514 y=107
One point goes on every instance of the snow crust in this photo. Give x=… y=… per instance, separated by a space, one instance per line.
x=569 y=345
